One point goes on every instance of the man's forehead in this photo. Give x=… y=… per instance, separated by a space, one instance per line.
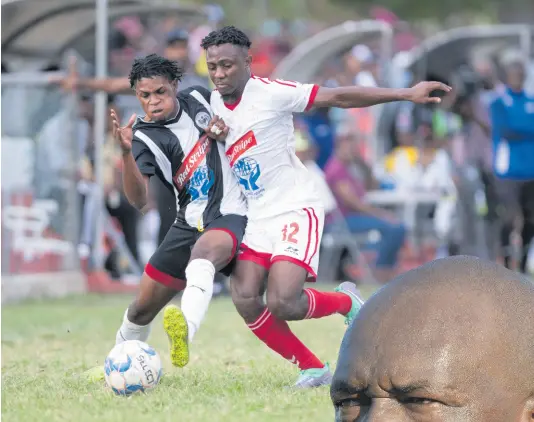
x=406 y=357
x=430 y=371
x=151 y=84
x=223 y=52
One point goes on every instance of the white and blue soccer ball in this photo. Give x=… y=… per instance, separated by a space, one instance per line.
x=132 y=366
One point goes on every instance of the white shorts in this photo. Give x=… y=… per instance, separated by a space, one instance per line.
x=293 y=236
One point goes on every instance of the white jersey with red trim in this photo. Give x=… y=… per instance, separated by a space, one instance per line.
x=260 y=145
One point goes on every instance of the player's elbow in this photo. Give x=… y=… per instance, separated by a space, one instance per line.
x=331 y=97
x=140 y=204
x=340 y=100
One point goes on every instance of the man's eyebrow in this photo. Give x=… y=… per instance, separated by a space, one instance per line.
x=221 y=59
x=148 y=92
x=342 y=387
x=400 y=389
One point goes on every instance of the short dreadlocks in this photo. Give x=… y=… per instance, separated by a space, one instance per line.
x=226 y=35
x=152 y=66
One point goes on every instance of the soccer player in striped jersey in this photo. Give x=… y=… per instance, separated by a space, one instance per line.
x=171 y=143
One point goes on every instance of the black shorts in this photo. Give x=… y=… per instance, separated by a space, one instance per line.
x=167 y=265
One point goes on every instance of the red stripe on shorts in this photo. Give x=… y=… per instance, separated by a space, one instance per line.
x=316 y=235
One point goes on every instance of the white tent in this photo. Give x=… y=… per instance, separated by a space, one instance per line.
x=307 y=58
x=440 y=54
x=35 y=33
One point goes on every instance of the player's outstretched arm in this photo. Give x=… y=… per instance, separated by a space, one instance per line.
x=360 y=96
x=73 y=81
x=135 y=183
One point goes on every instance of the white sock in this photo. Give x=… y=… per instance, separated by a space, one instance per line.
x=197 y=294
x=131 y=331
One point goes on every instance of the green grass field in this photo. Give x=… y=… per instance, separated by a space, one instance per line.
x=231 y=377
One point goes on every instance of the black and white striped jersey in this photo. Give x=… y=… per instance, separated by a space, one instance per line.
x=189 y=162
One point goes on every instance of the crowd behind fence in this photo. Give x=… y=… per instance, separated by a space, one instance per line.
x=46 y=200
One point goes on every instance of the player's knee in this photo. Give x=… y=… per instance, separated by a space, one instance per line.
x=141 y=314
x=281 y=307
x=247 y=299
x=216 y=248
x=247 y=303
x=249 y=308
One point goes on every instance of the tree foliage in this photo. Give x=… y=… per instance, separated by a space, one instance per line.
x=426 y=9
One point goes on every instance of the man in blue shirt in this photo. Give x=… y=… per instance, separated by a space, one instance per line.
x=322 y=131
x=512 y=120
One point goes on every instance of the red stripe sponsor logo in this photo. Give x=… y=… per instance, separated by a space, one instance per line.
x=243 y=144
x=192 y=162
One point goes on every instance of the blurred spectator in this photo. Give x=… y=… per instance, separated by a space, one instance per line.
x=121 y=54
x=476 y=132
x=404 y=152
x=432 y=172
x=55 y=150
x=512 y=120
x=429 y=167
x=360 y=64
x=477 y=203
x=404 y=126
x=432 y=125
x=176 y=49
x=322 y=130
x=491 y=84
x=348 y=177
x=116 y=202
x=133 y=31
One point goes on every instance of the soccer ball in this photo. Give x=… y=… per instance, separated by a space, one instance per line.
x=132 y=366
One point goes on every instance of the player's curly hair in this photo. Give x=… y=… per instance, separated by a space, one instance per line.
x=152 y=66
x=226 y=35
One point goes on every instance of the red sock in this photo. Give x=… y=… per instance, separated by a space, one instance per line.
x=322 y=304
x=277 y=335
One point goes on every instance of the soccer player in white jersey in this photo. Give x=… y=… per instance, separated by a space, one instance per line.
x=285 y=214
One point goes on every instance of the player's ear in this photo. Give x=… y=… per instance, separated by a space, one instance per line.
x=248 y=61
x=174 y=85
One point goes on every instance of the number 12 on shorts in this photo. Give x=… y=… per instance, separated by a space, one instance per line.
x=289 y=232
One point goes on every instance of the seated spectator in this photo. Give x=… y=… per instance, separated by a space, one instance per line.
x=435 y=124
x=430 y=169
x=449 y=341
x=432 y=172
x=348 y=178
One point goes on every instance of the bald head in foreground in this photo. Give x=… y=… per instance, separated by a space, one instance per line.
x=451 y=341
